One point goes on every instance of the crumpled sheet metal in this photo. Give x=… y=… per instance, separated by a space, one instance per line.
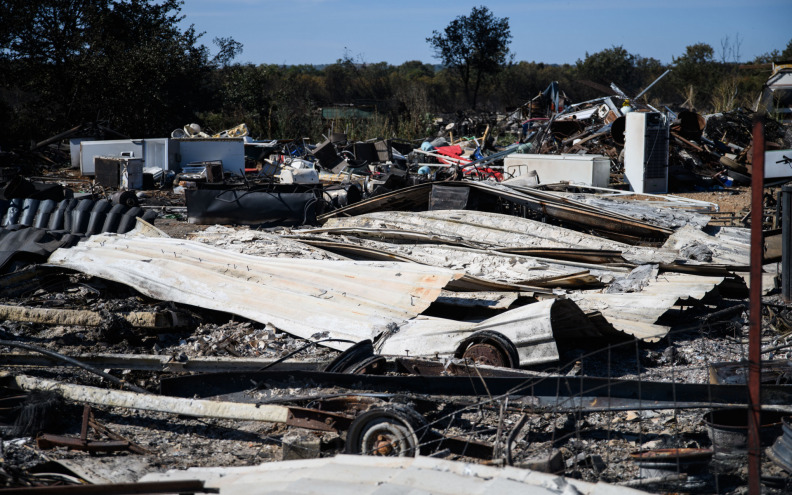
x=666 y=214
x=337 y=299
x=637 y=313
x=416 y=198
x=497 y=230
x=726 y=245
x=492 y=265
x=382 y=475
x=535 y=329
x=348 y=299
x=781 y=451
x=259 y=243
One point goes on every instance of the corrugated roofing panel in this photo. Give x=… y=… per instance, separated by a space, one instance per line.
x=636 y=313
x=493 y=265
x=497 y=230
x=385 y=475
x=352 y=300
x=337 y=299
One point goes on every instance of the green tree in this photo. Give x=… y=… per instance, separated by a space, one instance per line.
x=128 y=62
x=696 y=73
x=775 y=55
x=415 y=70
x=228 y=50
x=630 y=72
x=612 y=65
x=473 y=47
x=786 y=54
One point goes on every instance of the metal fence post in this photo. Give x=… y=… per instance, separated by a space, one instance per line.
x=755 y=313
x=786 y=242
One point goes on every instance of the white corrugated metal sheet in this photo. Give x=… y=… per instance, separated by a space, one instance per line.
x=308 y=298
x=352 y=300
x=637 y=313
x=497 y=230
x=492 y=265
x=363 y=475
x=728 y=245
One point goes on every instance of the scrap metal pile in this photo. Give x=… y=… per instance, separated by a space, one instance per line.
x=389 y=299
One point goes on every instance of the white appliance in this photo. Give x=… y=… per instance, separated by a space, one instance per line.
x=230 y=151
x=299 y=176
x=123 y=172
x=646 y=152
x=591 y=170
x=778 y=164
x=154 y=152
x=89 y=150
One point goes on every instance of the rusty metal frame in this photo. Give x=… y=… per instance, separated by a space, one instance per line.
x=567 y=388
x=315 y=419
x=49 y=441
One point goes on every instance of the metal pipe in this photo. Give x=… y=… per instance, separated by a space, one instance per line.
x=650 y=86
x=178 y=486
x=755 y=332
x=75 y=362
x=786 y=242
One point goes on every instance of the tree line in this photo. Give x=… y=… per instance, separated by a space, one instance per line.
x=130 y=65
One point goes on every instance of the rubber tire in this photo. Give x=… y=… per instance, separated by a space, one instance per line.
x=505 y=346
x=356 y=354
x=396 y=419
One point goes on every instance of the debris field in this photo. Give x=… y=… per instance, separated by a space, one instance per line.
x=569 y=312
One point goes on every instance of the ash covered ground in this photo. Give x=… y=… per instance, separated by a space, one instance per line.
x=593 y=446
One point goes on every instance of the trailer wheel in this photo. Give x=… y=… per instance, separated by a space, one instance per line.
x=489 y=348
x=358 y=360
x=394 y=430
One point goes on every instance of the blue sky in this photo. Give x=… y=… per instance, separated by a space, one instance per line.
x=552 y=31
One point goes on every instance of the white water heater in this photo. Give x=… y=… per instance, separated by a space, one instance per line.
x=646 y=152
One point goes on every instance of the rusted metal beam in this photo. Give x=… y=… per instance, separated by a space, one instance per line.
x=84 y=428
x=755 y=332
x=464 y=446
x=313 y=419
x=162 y=487
x=688 y=143
x=115 y=436
x=565 y=387
x=48 y=441
x=74 y=362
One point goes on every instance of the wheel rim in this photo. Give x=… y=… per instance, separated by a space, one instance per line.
x=490 y=348
x=486 y=354
x=386 y=431
x=385 y=437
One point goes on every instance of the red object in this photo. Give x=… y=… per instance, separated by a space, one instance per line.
x=482 y=173
x=455 y=151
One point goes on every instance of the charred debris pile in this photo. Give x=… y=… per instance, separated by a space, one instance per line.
x=213 y=302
